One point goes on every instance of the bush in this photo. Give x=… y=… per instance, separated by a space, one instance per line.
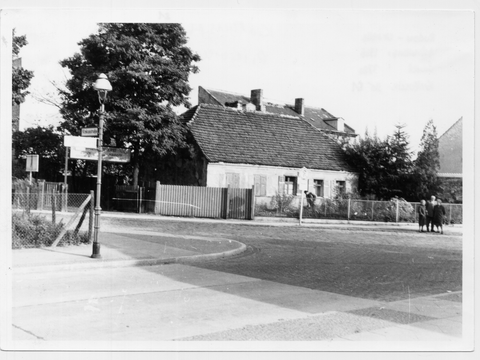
x=405 y=211
x=30 y=230
x=281 y=203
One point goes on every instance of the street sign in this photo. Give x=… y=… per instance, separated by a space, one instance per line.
x=80 y=142
x=32 y=163
x=108 y=154
x=90 y=131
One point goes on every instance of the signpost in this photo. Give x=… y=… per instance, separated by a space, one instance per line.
x=302 y=184
x=32 y=164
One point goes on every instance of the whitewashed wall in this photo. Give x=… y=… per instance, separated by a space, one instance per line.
x=217 y=177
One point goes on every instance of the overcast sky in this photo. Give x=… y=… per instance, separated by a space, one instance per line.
x=374 y=68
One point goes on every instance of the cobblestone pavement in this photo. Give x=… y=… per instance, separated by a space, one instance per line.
x=370 y=264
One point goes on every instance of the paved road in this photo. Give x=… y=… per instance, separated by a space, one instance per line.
x=293 y=283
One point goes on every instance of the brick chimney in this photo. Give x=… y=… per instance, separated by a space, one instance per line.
x=256 y=98
x=299 y=106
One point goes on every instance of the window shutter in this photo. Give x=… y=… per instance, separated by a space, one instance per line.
x=263 y=185
x=281 y=184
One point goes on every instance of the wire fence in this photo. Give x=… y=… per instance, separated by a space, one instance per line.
x=38 y=219
x=352 y=209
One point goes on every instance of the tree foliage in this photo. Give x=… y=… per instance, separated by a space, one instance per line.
x=20 y=77
x=46 y=143
x=384 y=165
x=427 y=163
x=148 y=66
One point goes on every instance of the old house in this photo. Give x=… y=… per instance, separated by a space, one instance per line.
x=243 y=144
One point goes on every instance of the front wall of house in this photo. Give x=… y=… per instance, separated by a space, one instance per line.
x=270 y=180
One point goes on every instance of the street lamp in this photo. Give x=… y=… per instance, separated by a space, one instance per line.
x=102 y=85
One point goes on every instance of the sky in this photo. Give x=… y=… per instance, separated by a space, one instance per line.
x=373 y=67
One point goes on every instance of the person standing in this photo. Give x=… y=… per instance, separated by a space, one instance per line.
x=422 y=216
x=429 y=206
x=438 y=215
x=310 y=199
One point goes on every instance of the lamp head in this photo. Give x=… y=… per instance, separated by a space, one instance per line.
x=103 y=86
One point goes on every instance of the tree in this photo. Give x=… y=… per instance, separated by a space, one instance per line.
x=400 y=163
x=148 y=66
x=427 y=163
x=46 y=143
x=20 y=77
x=384 y=166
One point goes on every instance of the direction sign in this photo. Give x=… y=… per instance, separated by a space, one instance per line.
x=80 y=142
x=108 y=154
x=90 y=131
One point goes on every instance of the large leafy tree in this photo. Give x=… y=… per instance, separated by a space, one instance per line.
x=42 y=141
x=384 y=165
x=427 y=163
x=148 y=66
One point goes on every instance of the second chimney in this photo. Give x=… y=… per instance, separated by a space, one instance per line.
x=299 y=106
x=256 y=98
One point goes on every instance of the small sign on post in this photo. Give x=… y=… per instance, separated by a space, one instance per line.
x=90 y=131
x=32 y=164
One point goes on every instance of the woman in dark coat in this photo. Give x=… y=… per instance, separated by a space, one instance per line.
x=438 y=215
x=422 y=216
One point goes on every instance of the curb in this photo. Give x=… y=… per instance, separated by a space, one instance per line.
x=108 y=264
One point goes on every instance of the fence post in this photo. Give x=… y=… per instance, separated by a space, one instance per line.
x=140 y=196
x=450 y=215
x=42 y=194
x=54 y=219
x=90 y=215
x=227 y=206
x=348 y=208
x=252 y=214
x=156 y=209
x=396 y=214
x=373 y=211
x=64 y=197
x=28 y=199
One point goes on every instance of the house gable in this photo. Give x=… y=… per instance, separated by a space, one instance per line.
x=450 y=149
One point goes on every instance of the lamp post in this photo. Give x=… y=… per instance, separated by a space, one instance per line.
x=102 y=85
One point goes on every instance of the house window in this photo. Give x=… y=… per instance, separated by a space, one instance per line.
x=260 y=182
x=290 y=185
x=318 y=187
x=341 y=187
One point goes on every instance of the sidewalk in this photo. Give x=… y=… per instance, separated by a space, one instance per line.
x=128 y=248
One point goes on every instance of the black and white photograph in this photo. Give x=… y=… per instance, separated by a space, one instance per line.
x=238 y=178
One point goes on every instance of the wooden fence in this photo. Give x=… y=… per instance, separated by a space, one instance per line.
x=209 y=202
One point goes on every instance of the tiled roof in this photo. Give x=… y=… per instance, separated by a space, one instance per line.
x=315 y=116
x=233 y=136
